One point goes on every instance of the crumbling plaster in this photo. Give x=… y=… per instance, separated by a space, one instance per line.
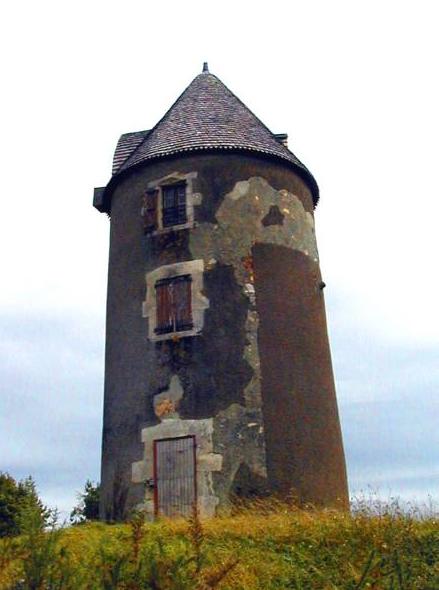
x=239 y=226
x=166 y=403
x=230 y=242
x=236 y=433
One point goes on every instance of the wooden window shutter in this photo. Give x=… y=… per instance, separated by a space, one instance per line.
x=174 y=304
x=149 y=211
x=165 y=322
x=182 y=299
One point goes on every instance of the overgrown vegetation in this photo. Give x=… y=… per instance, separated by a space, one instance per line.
x=266 y=545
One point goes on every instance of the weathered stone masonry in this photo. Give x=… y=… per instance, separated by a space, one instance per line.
x=229 y=242
x=252 y=378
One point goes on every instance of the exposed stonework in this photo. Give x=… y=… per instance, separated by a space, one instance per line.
x=273 y=217
x=232 y=258
x=252 y=392
x=166 y=403
x=240 y=224
x=212 y=386
x=252 y=212
x=238 y=435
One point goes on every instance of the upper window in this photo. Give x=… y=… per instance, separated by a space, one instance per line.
x=168 y=203
x=167 y=206
x=174 y=205
x=174 y=304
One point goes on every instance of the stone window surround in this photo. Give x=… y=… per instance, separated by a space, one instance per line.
x=199 y=302
x=192 y=199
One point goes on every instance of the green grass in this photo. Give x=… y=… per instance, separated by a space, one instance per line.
x=266 y=545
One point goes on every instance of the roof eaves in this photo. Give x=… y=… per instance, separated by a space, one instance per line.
x=102 y=200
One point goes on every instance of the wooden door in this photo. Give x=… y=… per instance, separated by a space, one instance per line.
x=175 y=476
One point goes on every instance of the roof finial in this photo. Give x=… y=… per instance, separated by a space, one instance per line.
x=205 y=67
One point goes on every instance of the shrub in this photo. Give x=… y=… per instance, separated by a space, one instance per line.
x=87 y=508
x=17 y=501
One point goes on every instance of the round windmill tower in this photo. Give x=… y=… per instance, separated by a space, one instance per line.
x=218 y=377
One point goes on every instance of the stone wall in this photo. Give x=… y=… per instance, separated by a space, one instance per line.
x=225 y=390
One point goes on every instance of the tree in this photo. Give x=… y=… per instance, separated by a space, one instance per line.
x=88 y=504
x=19 y=501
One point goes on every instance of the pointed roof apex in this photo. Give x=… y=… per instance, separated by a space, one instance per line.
x=207 y=117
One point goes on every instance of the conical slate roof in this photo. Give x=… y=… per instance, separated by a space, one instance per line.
x=207 y=116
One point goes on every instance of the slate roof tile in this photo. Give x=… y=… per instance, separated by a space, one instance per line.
x=127 y=143
x=207 y=116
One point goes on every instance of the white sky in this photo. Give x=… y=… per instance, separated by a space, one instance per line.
x=355 y=84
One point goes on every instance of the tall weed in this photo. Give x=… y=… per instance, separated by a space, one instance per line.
x=264 y=545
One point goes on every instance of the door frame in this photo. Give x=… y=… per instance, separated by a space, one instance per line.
x=156 y=490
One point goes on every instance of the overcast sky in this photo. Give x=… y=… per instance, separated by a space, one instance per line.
x=355 y=85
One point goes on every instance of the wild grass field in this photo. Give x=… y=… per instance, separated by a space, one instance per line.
x=262 y=546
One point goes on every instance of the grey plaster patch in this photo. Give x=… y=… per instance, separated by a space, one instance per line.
x=252 y=391
x=240 y=190
x=238 y=436
x=207 y=460
x=239 y=226
x=166 y=403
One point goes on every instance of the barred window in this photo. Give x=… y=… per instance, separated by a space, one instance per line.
x=174 y=304
x=174 y=205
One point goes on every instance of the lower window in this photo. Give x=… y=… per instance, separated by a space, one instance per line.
x=174 y=304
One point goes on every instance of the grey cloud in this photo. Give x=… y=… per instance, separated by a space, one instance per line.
x=51 y=400
x=389 y=408
x=52 y=391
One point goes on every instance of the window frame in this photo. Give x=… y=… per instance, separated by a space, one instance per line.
x=198 y=302
x=177 y=213
x=170 y=320
x=158 y=188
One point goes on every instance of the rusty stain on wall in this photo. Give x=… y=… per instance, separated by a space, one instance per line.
x=167 y=402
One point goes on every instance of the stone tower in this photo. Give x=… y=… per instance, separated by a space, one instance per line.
x=218 y=377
